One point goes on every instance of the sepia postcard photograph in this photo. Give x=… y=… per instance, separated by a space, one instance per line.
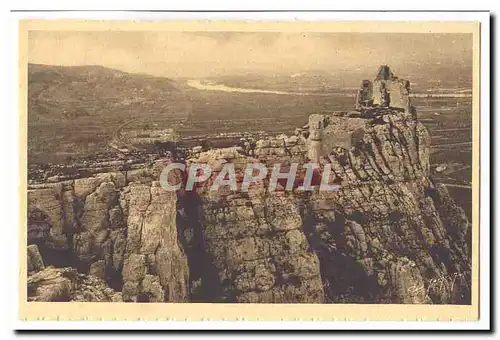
x=264 y=170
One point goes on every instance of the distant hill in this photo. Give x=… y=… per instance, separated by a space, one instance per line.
x=73 y=110
x=92 y=90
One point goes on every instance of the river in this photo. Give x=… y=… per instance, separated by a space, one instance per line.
x=204 y=86
x=200 y=85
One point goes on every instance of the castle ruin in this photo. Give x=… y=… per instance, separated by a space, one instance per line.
x=386 y=94
x=386 y=91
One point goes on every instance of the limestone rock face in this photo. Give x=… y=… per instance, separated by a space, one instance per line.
x=259 y=251
x=395 y=234
x=116 y=230
x=35 y=260
x=46 y=215
x=52 y=284
x=152 y=246
x=388 y=235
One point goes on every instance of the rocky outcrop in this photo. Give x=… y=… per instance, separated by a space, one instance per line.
x=65 y=284
x=384 y=236
x=52 y=284
x=35 y=260
x=90 y=288
x=255 y=249
x=123 y=232
x=388 y=235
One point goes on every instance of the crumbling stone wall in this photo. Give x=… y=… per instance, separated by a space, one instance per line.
x=328 y=132
x=364 y=97
x=399 y=92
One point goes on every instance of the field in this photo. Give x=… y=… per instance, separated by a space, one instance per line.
x=451 y=132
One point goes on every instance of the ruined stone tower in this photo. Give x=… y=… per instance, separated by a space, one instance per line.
x=390 y=91
x=387 y=90
x=327 y=132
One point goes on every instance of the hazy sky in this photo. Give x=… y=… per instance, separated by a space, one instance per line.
x=197 y=54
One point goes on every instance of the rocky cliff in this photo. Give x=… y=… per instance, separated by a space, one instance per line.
x=115 y=228
x=389 y=235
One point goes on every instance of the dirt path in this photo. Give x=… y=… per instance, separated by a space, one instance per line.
x=117 y=141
